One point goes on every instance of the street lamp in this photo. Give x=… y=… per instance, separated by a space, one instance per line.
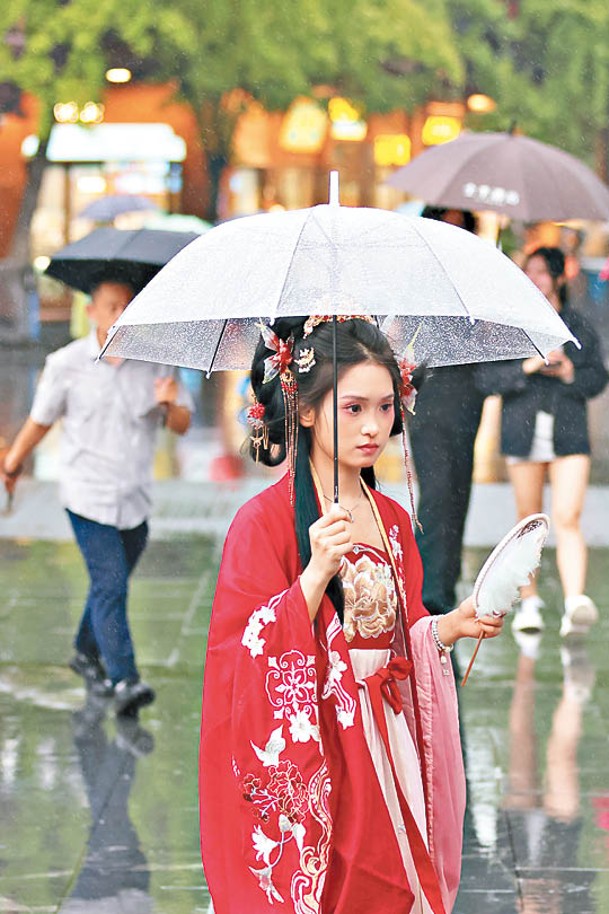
x=479 y=103
x=118 y=75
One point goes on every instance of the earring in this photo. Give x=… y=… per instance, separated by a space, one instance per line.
x=260 y=432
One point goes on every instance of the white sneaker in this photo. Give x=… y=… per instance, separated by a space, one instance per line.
x=528 y=643
x=528 y=616
x=580 y=614
x=579 y=674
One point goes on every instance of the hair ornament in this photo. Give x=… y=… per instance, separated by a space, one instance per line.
x=408 y=393
x=316 y=319
x=279 y=364
x=306 y=361
x=260 y=432
x=283 y=353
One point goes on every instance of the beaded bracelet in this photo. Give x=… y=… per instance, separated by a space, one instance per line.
x=443 y=648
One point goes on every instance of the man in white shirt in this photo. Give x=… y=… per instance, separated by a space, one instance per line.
x=111 y=411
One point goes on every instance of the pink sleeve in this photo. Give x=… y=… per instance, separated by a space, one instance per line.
x=437 y=697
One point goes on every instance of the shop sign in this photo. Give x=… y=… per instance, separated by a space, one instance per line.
x=304 y=127
x=346 y=121
x=392 y=149
x=440 y=128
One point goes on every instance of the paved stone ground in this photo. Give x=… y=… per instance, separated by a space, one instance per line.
x=98 y=817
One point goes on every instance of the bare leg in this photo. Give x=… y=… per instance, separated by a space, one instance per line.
x=569 y=480
x=527 y=480
x=523 y=783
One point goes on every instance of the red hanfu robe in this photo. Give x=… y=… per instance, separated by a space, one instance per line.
x=293 y=817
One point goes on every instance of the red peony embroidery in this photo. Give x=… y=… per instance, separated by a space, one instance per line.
x=287 y=785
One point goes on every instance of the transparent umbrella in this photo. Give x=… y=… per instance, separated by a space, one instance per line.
x=458 y=297
x=445 y=293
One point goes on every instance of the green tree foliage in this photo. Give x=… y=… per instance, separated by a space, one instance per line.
x=61 y=49
x=382 y=53
x=547 y=66
x=561 y=52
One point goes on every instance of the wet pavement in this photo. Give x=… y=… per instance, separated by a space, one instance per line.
x=100 y=817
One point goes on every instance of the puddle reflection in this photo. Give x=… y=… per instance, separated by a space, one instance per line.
x=544 y=816
x=114 y=875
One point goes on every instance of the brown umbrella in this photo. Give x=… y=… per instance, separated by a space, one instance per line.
x=514 y=175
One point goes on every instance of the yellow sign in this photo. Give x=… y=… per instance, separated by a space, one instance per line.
x=440 y=129
x=346 y=120
x=304 y=127
x=392 y=149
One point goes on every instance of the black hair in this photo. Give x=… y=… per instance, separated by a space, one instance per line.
x=357 y=341
x=470 y=223
x=115 y=276
x=554 y=260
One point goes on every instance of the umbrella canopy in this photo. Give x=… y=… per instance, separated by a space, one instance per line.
x=109 y=207
x=460 y=298
x=125 y=256
x=514 y=175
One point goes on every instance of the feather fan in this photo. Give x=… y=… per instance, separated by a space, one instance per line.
x=508 y=568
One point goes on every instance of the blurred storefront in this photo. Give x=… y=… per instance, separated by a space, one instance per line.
x=283 y=159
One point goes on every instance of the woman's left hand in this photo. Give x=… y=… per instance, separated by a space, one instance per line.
x=463 y=623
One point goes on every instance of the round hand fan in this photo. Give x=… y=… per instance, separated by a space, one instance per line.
x=508 y=568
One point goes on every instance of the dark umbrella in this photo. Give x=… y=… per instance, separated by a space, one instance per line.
x=133 y=257
x=107 y=208
x=514 y=175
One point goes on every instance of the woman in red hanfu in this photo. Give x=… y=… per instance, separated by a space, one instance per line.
x=331 y=771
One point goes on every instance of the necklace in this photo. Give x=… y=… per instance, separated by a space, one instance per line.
x=348 y=510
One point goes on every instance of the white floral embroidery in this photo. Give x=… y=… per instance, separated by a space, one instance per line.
x=396 y=546
x=263 y=845
x=281 y=800
x=345 y=704
x=273 y=749
x=260 y=617
x=291 y=684
x=302 y=729
x=265 y=881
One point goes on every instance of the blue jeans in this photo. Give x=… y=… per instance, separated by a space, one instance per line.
x=110 y=555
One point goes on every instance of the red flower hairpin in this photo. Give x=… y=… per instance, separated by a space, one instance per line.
x=283 y=353
x=408 y=393
x=255 y=419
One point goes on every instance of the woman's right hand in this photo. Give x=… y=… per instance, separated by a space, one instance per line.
x=330 y=538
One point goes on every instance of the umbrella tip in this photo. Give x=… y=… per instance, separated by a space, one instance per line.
x=333 y=199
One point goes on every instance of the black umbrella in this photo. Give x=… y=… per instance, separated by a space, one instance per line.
x=133 y=257
x=510 y=174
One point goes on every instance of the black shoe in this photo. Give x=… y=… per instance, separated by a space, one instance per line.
x=130 y=695
x=92 y=671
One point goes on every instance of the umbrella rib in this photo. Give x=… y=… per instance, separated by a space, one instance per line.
x=285 y=278
x=446 y=274
x=215 y=353
x=532 y=342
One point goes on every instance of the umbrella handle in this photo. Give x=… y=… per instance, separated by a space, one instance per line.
x=471 y=663
x=335 y=405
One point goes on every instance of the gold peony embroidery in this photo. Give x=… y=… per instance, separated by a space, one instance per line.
x=370 y=600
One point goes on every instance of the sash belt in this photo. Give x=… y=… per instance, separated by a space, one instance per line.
x=383 y=685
